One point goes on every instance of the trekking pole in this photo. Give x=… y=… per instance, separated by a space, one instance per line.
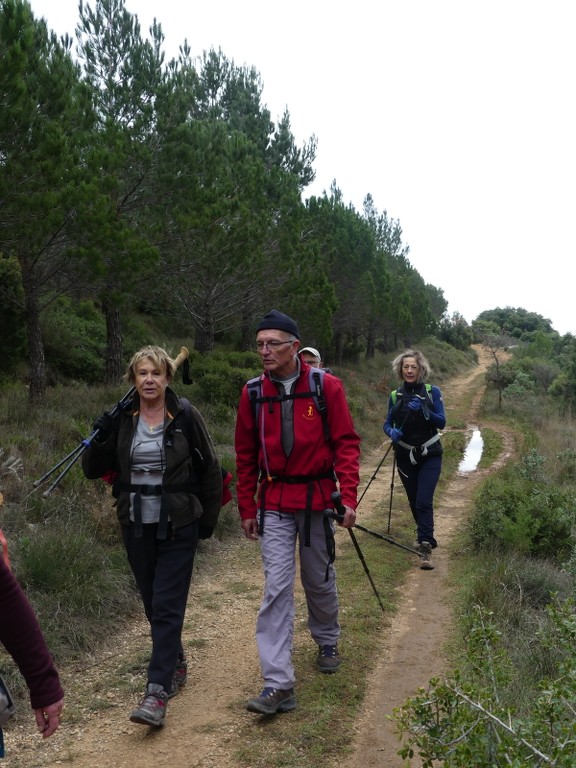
x=382 y=462
x=74 y=455
x=79 y=450
x=70 y=456
x=391 y=493
x=339 y=516
x=375 y=472
x=386 y=538
x=381 y=535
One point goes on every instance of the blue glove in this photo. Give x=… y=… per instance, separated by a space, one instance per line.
x=415 y=403
x=395 y=434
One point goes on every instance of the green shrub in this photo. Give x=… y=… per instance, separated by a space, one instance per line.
x=74 y=338
x=512 y=512
x=80 y=586
x=222 y=384
x=566 y=465
x=519 y=388
x=463 y=721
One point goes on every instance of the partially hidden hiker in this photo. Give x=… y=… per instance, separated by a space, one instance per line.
x=311 y=356
x=415 y=414
x=169 y=494
x=22 y=637
x=293 y=444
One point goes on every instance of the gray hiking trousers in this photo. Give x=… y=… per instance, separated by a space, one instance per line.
x=275 y=622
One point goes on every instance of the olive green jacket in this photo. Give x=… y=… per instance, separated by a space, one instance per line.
x=203 y=497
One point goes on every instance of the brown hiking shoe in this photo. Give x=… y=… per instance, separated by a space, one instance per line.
x=328 y=659
x=272 y=700
x=425 y=552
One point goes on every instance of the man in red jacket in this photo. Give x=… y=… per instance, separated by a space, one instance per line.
x=287 y=469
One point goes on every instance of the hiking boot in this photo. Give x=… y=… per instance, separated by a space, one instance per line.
x=328 y=659
x=272 y=700
x=152 y=708
x=179 y=677
x=425 y=552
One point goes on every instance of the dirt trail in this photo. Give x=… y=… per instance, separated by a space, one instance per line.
x=412 y=647
x=207 y=715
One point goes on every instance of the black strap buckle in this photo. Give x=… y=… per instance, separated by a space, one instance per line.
x=149 y=490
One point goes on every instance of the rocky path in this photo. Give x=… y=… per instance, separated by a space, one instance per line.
x=208 y=716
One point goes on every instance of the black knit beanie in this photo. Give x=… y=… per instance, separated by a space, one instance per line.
x=278 y=321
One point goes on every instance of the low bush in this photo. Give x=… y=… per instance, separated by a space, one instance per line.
x=79 y=582
x=74 y=337
x=222 y=384
x=463 y=721
x=514 y=512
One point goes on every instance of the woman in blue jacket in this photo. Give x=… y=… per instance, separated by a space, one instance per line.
x=415 y=414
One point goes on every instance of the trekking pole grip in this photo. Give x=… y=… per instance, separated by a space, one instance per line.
x=336 y=497
x=181 y=356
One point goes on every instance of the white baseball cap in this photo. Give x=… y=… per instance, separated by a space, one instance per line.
x=312 y=352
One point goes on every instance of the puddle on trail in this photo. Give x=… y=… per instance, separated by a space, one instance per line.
x=473 y=452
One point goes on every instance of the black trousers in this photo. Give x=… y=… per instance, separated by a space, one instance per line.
x=163 y=571
x=420 y=481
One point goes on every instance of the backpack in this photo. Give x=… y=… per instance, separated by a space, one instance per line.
x=315 y=380
x=185 y=420
x=395 y=392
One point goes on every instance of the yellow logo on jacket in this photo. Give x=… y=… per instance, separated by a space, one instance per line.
x=310 y=412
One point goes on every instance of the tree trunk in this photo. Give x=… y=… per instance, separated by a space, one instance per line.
x=247 y=334
x=338 y=347
x=204 y=336
x=114 y=366
x=370 y=345
x=36 y=355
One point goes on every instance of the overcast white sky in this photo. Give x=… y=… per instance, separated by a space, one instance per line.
x=457 y=116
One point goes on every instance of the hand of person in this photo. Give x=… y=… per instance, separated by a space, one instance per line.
x=104 y=424
x=48 y=718
x=395 y=434
x=250 y=528
x=415 y=403
x=349 y=518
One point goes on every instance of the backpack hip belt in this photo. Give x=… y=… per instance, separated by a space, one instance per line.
x=294 y=479
x=423 y=448
x=142 y=489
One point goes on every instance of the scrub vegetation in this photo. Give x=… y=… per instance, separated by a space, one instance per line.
x=510 y=698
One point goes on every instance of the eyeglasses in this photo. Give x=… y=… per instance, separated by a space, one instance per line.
x=270 y=344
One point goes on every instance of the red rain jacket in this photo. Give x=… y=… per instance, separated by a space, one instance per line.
x=312 y=454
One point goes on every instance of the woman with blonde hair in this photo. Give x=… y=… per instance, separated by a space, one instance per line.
x=168 y=487
x=415 y=416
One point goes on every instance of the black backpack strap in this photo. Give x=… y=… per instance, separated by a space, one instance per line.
x=185 y=420
x=330 y=544
x=255 y=393
x=315 y=379
x=317 y=376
